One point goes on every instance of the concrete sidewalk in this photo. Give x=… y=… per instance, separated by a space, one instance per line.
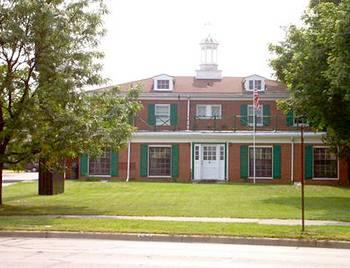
x=12 y=177
x=290 y=222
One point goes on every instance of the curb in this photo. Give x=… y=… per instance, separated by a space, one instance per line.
x=183 y=238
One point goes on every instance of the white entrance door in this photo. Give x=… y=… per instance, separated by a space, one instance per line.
x=209 y=162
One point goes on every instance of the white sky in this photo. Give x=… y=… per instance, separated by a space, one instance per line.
x=149 y=37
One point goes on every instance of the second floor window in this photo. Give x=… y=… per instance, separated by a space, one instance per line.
x=163 y=84
x=162 y=114
x=259 y=116
x=208 y=111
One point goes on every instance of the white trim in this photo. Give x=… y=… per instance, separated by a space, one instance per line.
x=129 y=158
x=261 y=146
x=227 y=160
x=224 y=136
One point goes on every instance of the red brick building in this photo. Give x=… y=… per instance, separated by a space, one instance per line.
x=197 y=128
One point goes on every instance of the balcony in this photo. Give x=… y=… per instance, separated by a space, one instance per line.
x=228 y=123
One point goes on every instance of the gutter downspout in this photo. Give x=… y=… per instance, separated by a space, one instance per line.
x=128 y=164
x=188 y=113
x=227 y=159
x=292 y=160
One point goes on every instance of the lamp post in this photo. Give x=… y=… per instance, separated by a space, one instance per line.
x=302 y=123
x=302 y=176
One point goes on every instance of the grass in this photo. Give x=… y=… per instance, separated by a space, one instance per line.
x=41 y=223
x=176 y=199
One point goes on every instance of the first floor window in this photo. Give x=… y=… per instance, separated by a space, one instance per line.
x=159 y=161
x=263 y=162
x=325 y=163
x=208 y=111
x=100 y=165
x=162 y=114
x=258 y=118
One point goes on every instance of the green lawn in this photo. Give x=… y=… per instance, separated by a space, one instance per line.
x=176 y=199
x=42 y=223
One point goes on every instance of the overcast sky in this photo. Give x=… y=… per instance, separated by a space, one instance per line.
x=147 y=38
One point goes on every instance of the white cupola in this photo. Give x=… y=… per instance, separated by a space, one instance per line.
x=208 y=69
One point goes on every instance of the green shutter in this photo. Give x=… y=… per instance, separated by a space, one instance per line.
x=114 y=164
x=151 y=115
x=277 y=161
x=244 y=161
x=244 y=115
x=84 y=165
x=175 y=161
x=173 y=114
x=267 y=115
x=290 y=119
x=308 y=162
x=144 y=160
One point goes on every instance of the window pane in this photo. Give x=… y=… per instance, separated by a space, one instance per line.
x=159 y=161
x=196 y=157
x=163 y=84
x=325 y=163
x=263 y=162
x=216 y=111
x=258 y=84
x=251 y=84
x=162 y=113
x=259 y=116
x=100 y=165
x=209 y=153
x=201 y=111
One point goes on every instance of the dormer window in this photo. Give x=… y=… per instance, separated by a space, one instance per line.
x=254 y=82
x=163 y=82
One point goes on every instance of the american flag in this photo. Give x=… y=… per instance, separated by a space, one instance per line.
x=256 y=100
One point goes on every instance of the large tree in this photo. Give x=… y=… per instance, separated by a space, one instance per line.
x=314 y=62
x=48 y=53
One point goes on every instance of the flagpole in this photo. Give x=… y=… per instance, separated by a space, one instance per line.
x=254 y=114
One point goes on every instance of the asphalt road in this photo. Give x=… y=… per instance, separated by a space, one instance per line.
x=41 y=252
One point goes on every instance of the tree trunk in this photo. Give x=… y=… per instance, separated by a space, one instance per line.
x=50 y=183
x=348 y=166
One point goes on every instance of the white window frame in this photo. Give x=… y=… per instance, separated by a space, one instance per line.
x=261 y=146
x=257 y=116
x=255 y=81
x=161 y=123
x=171 y=162
x=162 y=81
x=313 y=166
x=208 y=111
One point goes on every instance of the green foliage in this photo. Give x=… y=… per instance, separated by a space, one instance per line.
x=314 y=62
x=48 y=54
